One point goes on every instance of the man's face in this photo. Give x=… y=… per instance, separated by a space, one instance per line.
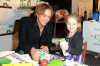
x=43 y=19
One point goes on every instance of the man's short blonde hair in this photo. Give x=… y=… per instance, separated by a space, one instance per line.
x=40 y=9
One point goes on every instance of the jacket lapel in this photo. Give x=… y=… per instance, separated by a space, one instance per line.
x=34 y=30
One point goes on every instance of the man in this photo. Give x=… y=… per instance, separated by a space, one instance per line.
x=36 y=32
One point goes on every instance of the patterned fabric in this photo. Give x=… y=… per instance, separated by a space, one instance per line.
x=75 y=58
x=61 y=14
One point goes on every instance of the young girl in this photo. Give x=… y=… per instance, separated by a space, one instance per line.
x=74 y=38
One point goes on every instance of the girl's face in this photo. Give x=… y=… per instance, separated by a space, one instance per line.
x=72 y=25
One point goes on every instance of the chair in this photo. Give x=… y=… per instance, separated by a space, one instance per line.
x=15 y=35
x=60 y=15
x=59 y=19
x=84 y=51
x=61 y=33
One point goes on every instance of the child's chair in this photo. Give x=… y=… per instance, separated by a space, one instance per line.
x=59 y=18
x=84 y=51
x=61 y=14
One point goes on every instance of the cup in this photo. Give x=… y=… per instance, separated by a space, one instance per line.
x=64 y=45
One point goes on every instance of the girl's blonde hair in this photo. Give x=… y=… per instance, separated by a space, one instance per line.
x=40 y=9
x=75 y=16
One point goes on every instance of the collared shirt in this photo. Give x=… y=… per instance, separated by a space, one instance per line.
x=29 y=34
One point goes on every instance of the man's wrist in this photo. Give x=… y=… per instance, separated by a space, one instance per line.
x=32 y=49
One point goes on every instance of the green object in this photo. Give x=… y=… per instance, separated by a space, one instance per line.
x=5 y=4
x=28 y=3
x=42 y=56
x=40 y=0
x=62 y=39
x=8 y=31
x=56 y=63
x=40 y=50
x=5 y=61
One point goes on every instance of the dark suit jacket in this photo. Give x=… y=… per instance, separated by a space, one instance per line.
x=76 y=44
x=29 y=34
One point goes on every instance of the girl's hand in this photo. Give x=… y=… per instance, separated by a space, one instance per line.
x=64 y=46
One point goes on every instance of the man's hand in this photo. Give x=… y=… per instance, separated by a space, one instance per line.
x=45 y=49
x=35 y=55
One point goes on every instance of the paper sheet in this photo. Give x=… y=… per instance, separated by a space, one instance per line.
x=17 y=58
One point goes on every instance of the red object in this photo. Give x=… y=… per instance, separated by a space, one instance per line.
x=7 y=55
x=60 y=58
x=91 y=21
x=44 y=62
x=62 y=13
x=61 y=33
x=84 y=51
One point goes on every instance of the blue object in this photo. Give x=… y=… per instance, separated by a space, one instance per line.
x=95 y=16
x=21 y=52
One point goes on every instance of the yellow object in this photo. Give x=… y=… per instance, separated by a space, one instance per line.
x=99 y=5
x=26 y=64
x=7 y=65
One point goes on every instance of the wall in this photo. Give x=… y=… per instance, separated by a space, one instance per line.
x=74 y=6
x=8 y=16
x=6 y=43
x=86 y=5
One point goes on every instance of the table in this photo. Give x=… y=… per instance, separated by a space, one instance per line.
x=17 y=58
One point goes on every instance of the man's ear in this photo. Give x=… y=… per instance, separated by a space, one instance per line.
x=37 y=15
